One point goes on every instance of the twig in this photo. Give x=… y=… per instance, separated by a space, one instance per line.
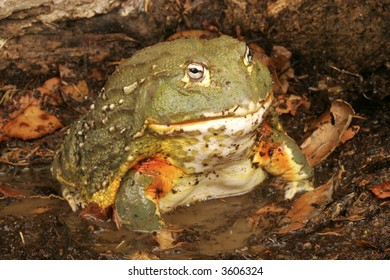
x=342 y=71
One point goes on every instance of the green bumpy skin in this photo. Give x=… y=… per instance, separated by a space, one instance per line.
x=195 y=105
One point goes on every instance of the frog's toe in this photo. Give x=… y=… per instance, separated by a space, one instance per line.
x=294 y=187
x=74 y=200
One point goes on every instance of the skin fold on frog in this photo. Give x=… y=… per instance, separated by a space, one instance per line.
x=178 y=122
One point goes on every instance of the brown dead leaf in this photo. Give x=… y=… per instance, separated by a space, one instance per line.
x=31 y=123
x=20 y=101
x=278 y=6
x=49 y=91
x=382 y=190
x=50 y=85
x=365 y=244
x=330 y=233
x=96 y=74
x=308 y=206
x=43 y=152
x=352 y=218
x=331 y=128
x=66 y=72
x=167 y=238
x=289 y=104
x=253 y=220
x=281 y=57
x=12 y=192
x=199 y=34
x=280 y=61
x=92 y=211
x=78 y=92
x=350 y=133
x=259 y=54
x=40 y=210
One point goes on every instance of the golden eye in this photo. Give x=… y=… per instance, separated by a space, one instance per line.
x=196 y=71
x=248 y=56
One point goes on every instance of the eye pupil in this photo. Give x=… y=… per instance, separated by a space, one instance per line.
x=196 y=71
x=248 y=56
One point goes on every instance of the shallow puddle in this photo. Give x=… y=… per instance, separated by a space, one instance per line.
x=208 y=227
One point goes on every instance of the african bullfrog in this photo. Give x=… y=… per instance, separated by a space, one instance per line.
x=178 y=122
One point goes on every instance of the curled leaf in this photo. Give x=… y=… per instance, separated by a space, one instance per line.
x=331 y=128
x=308 y=206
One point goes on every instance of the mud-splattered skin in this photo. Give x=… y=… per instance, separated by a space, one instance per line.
x=178 y=122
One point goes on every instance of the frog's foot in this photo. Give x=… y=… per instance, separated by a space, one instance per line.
x=137 y=200
x=294 y=187
x=74 y=199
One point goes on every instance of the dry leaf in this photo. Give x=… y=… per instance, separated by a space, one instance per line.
x=66 y=72
x=40 y=210
x=289 y=104
x=50 y=85
x=278 y=6
x=259 y=54
x=31 y=123
x=382 y=190
x=96 y=74
x=352 y=218
x=349 y=133
x=49 y=90
x=165 y=238
x=253 y=220
x=199 y=34
x=93 y=212
x=21 y=101
x=308 y=206
x=12 y=192
x=331 y=128
x=77 y=92
x=280 y=60
x=141 y=255
x=330 y=233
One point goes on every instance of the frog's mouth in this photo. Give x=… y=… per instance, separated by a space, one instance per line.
x=236 y=119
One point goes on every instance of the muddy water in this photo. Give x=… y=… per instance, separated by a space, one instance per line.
x=211 y=227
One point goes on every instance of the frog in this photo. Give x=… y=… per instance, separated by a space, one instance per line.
x=178 y=122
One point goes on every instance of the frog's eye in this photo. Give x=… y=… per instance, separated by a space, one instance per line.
x=248 y=56
x=196 y=71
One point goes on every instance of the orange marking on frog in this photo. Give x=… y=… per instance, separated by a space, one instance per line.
x=275 y=157
x=164 y=176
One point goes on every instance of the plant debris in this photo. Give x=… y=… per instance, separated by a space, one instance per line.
x=329 y=131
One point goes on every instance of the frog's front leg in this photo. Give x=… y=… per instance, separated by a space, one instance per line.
x=137 y=200
x=279 y=155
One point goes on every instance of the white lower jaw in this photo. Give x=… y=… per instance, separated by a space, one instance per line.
x=211 y=145
x=242 y=119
